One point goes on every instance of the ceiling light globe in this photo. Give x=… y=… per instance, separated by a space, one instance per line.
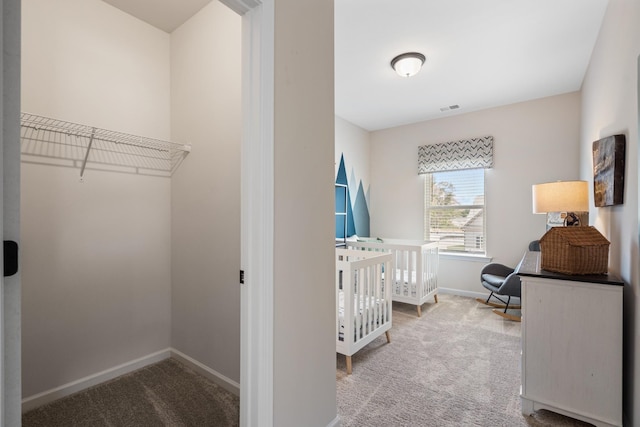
x=408 y=64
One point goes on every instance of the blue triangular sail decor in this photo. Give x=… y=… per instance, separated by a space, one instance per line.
x=342 y=179
x=342 y=173
x=358 y=214
x=361 y=213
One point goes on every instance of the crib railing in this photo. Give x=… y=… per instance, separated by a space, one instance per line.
x=362 y=299
x=415 y=276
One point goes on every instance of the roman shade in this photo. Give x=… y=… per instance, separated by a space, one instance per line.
x=456 y=155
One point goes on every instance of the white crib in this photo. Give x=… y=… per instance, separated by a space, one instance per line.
x=415 y=276
x=363 y=303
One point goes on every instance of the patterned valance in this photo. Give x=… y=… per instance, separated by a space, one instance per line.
x=456 y=155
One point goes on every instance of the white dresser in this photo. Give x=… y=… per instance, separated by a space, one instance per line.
x=571 y=344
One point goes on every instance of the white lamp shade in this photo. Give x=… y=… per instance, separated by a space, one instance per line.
x=561 y=196
x=408 y=64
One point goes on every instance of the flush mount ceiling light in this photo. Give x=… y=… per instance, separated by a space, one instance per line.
x=408 y=64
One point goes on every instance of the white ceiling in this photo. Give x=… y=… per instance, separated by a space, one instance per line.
x=480 y=54
x=166 y=15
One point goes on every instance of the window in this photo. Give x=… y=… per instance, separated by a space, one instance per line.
x=454 y=193
x=454 y=210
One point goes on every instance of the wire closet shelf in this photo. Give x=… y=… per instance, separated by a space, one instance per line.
x=56 y=142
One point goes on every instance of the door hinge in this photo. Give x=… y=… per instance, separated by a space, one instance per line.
x=241 y=277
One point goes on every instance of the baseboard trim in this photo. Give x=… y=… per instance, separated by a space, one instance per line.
x=223 y=381
x=470 y=294
x=68 y=389
x=462 y=293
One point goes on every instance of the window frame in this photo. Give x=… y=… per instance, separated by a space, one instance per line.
x=428 y=185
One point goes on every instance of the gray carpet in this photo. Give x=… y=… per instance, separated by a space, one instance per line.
x=163 y=394
x=457 y=365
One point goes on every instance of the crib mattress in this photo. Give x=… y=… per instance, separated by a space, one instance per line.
x=406 y=288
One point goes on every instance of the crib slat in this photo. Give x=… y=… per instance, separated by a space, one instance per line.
x=370 y=306
x=400 y=266
x=416 y=282
x=378 y=296
x=366 y=312
x=373 y=321
x=358 y=301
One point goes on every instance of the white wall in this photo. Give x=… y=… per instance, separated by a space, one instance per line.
x=354 y=143
x=96 y=255
x=610 y=106
x=96 y=65
x=304 y=355
x=534 y=142
x=205 y=112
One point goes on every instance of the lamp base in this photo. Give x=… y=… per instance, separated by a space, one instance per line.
x=567 y=219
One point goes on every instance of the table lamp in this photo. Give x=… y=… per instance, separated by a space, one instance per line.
x=568 y=197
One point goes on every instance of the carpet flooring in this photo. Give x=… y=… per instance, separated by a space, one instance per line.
x=457 y=365
x=163 y=394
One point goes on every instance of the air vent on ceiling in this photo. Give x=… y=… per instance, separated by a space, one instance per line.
x=450 y=107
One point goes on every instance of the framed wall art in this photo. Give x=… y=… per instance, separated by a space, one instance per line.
x=608 y=170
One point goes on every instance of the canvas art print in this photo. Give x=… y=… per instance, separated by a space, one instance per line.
x=608 y=170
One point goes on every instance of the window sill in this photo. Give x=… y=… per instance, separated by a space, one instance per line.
x=465 y=257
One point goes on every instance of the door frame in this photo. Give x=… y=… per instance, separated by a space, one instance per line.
x=10 y=305
x=257 y=211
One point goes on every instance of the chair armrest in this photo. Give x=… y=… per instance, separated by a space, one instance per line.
x=497 y=270
x=511 y=286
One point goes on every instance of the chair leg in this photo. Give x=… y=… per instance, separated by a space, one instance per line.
x=508 y=301
x=490 y=295
x=503 y=306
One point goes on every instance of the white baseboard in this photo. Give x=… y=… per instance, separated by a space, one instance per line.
x=470 y=294
x=64 y=390
x=68 y=389
x=223 y=381
x=462 y=293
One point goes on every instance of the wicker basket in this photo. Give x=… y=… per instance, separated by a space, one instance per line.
x=574 y=250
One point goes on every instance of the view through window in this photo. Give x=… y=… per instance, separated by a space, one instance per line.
x=454 y=210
